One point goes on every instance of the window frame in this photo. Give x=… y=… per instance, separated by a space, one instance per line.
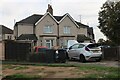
x=66 y=30
x=51 y=43
x=48 y=29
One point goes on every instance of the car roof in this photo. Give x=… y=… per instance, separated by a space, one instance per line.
x=85 y=43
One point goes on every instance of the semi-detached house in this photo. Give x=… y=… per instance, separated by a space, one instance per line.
x=6 y=33
x=48 y=30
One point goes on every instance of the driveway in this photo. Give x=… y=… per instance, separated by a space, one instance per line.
x=102 y=63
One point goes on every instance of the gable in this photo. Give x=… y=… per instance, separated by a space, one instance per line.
x=68 y=16
x=47 y=20
x=46 y=14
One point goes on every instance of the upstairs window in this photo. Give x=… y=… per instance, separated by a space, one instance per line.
x=67 y=30
x=48 y=29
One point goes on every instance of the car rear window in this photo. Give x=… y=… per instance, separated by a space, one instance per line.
x=93 y=45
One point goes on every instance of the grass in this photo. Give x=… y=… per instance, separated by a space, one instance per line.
x=9 y=66
x=21 y=67
x=100 y=71
x=91 y=71
x=21 y=77
x=40 y=64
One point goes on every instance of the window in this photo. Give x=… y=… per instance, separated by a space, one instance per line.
x=67 y=29
x=65 y=42
x=75 y=46
x=49 y=43
x=9 y=37
x=48 y=29
x=81 y=46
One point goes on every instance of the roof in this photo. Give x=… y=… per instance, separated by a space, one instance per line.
x=35 y=18
x=31 y=19
x=58 y=18
x=82 y=37
x=27 y=37
x=6 y=30
x=81 y=25
x=64 y=16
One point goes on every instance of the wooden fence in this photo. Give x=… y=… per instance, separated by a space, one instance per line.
x=112 y=53
x=17 y=50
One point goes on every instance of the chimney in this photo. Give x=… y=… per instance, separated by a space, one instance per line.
x=50 y=10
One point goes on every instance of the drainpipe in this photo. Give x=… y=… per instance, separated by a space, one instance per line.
x=58 y=36
x=33 y=28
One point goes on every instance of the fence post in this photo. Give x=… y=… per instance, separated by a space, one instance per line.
x=118 y=53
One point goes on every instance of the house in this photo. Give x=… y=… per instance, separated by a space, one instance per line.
x=5 y=33
x=49 y=30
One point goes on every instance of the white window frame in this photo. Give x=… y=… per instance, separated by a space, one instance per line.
x=50 y=42
x=48 y=29
x=66 y=29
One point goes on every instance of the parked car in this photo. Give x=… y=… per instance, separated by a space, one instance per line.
x=85 y=52
x=69 y=44
x=39 y=49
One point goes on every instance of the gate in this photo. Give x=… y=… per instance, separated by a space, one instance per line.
x=17 y=50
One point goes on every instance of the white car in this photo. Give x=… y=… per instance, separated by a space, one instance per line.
x=85 y=52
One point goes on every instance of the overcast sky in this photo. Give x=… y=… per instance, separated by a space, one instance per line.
x=17 y=10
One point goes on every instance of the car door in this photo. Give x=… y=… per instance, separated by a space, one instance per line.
x=80 y=50
x=73 y=51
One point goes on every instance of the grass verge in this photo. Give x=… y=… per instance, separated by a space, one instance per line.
x=21 y=77
x=88 y=70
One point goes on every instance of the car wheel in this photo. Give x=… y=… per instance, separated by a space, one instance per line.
x=82 y=58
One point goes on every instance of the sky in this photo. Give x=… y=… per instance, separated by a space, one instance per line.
x=86 y=11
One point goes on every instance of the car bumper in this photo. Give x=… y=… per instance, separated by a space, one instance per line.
x=94 y=57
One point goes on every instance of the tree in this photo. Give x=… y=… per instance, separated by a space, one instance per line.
x=101 y=40
x=109 y=21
